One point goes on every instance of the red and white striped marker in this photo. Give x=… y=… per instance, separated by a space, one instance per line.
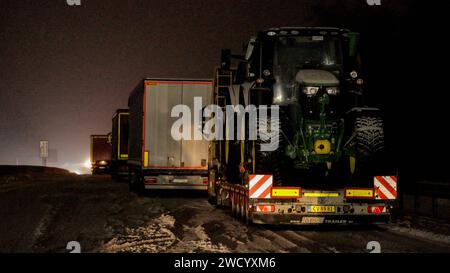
x=385 y=187
x=260 y=186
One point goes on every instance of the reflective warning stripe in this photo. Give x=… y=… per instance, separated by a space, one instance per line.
x=260 y=186
x=385 y=187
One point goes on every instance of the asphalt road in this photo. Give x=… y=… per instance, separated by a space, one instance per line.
x=43 y=213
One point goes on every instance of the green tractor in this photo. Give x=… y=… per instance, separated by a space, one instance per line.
x=327 y=132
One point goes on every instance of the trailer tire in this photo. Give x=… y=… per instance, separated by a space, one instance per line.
x=132 y=181
x=238 y=207
x=232 y=205
x=212 y=200
x=140 y=186
x=242 y=210
x=247 y=216
x=219 y=201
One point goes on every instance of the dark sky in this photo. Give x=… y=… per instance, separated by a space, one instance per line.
x=64 y=70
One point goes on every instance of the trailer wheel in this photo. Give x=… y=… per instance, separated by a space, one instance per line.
x=243 y=211
x=132 y=181
x=140 y=186
x=246 y=212
x=232 y=205
x=219 y=199
x=213 y=200
x=238 y=207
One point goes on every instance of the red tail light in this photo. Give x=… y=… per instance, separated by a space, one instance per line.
x=376 y=209
x=265 y=208
x=151 y=180
x=205 y=181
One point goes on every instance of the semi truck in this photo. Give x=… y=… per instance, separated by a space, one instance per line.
x=119 y=143
x=327 y=165
x=157 y=161
x=100 y=154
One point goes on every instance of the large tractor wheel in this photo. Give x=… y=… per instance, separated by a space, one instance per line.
x=369 y=146
x=268 y=162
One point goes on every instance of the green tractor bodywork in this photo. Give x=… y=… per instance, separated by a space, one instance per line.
x=317 y=141
x=313 y=75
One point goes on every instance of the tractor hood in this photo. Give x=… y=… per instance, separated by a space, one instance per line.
x=316 y=77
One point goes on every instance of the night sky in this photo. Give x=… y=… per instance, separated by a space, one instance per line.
x=64 y=70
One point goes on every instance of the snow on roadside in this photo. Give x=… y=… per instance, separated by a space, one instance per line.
x=427 y=235
x=196 y=240
x=153 y=237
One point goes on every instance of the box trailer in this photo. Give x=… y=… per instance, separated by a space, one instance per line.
x=119 y=143
x=156 y=160
x=100 y=154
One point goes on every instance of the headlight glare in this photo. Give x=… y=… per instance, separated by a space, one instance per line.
x=310 y=90
x=332 y=90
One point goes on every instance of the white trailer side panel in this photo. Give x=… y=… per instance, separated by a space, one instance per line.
x=160 y=97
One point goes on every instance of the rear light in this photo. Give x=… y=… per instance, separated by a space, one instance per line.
x=376 y=209
x=264 y=208
x=205 y=181
x=151 y=180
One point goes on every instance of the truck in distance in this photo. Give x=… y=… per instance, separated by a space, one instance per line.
x=100 y=154
x=119 y=143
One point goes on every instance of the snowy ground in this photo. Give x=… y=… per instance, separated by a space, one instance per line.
x=44 y=213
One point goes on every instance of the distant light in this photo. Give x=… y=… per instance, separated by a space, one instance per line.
x=271 y=33
x=87 y=164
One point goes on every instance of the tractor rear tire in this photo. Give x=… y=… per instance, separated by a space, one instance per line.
x=369 y=145
x=268 y=162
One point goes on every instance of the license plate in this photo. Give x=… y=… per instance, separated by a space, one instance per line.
x=321 y=209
